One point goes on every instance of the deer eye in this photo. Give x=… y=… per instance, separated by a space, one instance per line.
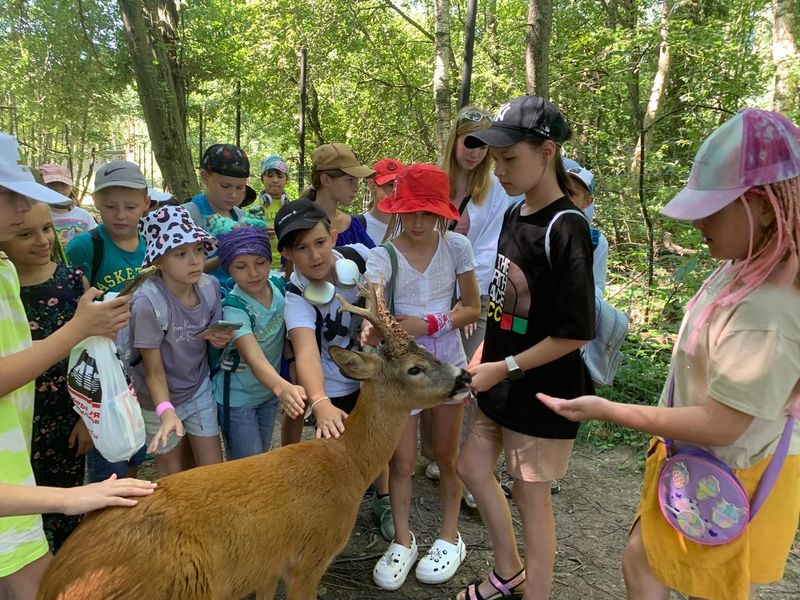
x=414 y=370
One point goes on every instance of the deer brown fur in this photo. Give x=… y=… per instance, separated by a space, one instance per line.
x=236 y=528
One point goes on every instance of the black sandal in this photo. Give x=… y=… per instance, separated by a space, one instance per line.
x=506 y=588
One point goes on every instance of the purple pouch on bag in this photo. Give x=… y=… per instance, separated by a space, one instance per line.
x=701 y=497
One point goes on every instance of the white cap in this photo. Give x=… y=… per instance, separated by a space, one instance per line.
x=159 y=197
x=18 y=177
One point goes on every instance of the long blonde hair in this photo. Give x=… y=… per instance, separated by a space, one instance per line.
x=470 y=119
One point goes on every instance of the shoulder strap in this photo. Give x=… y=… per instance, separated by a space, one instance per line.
x=292 y=288
x=354 y=255
x=207 y=289
x=390 y=250
x=157 y=300
x=233 y=301
x=98 y=248
x=461 y=208
x=279 y=282
x=194 y=211
x=550 y=226
x=361 y=219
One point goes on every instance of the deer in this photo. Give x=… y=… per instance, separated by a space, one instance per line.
x=238 y=528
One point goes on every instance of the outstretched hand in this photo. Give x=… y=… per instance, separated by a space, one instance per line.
x=292 y=399
x=169 y=423
x=330 y=421
x=111 y=492
x=583 y=408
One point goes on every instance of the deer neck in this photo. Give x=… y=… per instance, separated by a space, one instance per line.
x=373 y=431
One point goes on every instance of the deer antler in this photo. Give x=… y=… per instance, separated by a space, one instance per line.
x=396 y=339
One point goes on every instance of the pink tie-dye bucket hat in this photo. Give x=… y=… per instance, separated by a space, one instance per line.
x=754 y=147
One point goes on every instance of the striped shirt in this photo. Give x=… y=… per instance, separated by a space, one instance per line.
x=22 y=538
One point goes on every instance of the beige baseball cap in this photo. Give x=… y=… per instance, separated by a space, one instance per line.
x=339 y=156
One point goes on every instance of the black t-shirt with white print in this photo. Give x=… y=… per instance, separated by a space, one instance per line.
x=529 y=301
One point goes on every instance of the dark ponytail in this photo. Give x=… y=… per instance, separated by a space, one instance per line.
x=562 y=178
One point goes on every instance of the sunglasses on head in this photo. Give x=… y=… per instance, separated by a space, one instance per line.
x=474 y=115
x=322 y=293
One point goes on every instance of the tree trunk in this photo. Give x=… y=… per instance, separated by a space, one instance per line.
x=312 y=114
x=658 y=87
x=151 y=33
x=537 y=42
x=441 y=80
x=492 y=43
x=785 y=54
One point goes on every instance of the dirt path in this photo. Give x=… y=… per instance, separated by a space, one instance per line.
x=593 y=513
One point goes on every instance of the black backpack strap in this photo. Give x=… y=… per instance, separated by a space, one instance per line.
x=98 y=248
x=461 y=208
x=354 y=255
x=226 y=398
x=292 y=288
x=361 y=219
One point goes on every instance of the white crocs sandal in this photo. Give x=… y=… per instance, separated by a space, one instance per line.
x=392 y=569
x=441 y=562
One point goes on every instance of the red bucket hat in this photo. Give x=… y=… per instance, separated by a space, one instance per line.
x=421 y=187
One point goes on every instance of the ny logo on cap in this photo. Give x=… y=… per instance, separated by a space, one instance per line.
x=501 y=114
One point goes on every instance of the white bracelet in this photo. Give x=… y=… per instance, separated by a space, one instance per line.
x=317 y=401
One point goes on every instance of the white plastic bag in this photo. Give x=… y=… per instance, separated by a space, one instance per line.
x=103 y=398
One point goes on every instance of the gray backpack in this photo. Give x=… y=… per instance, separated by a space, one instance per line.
x=602 y=355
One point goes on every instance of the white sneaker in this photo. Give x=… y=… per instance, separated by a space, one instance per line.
x=392 y=569
x=441 y=562
x=432 y=471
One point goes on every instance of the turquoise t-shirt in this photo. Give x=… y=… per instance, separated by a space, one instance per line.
x=117 y=267
x=270 y=331
x=199 y=204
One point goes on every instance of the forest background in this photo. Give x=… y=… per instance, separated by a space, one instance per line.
x=642 y=82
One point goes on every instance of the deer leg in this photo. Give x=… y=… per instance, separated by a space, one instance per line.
x=303 y=583
x=267 y=590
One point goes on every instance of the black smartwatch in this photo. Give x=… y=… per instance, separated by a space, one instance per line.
x=514 y=372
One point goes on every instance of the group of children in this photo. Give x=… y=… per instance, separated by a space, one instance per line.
x=234 y=316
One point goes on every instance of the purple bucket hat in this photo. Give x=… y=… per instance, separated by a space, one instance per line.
x=754 y=147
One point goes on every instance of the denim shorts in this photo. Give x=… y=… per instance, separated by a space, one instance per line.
x=99 y=469
x=198 y=415
x=250 y=428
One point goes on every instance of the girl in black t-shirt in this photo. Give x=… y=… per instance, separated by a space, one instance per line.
x=540 y=313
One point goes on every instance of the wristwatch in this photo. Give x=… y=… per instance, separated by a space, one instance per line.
x=514 y=372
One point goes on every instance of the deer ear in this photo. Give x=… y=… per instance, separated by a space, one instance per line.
x=356 y=365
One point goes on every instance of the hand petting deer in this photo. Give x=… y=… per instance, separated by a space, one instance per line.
x=237 y=528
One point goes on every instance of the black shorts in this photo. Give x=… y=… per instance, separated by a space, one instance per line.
x=346 y=403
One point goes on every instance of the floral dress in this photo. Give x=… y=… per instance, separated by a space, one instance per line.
x=50 y=305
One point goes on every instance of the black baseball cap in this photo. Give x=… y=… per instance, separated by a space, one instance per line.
x=519 y=119
x=298 y=215
x=231 y=161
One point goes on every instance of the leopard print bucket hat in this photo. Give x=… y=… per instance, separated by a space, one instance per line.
x=170 y=227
